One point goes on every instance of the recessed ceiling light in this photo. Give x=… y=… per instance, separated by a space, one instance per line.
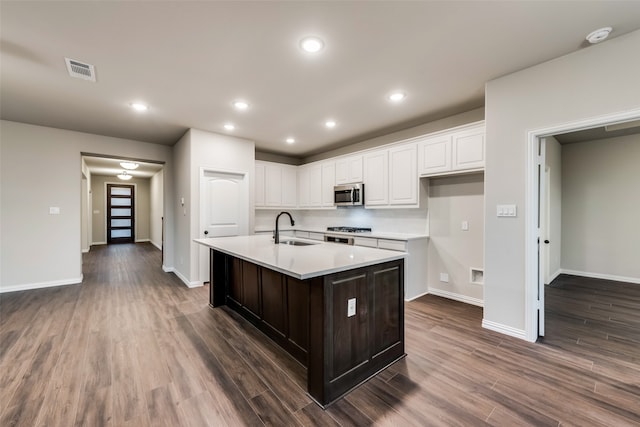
x=241 y=105
x=397 y=96
x=290 y=140
x=138 y=106
x=129 y=165
x=311 y=44
x=330 y=123
x=229 y=126
x=599 y=35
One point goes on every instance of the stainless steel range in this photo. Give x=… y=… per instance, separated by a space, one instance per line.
x=344 y=239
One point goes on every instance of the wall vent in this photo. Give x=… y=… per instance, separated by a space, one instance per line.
x=80 y=70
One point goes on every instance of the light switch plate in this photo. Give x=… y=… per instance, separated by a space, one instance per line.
x=465 y=225
x=54 y=210
x=507 y=211
x=444 y=277
x=351 y=307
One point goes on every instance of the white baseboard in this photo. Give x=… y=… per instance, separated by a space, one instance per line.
x=417 y=296
x=167 y=269
x=159 y=246
x=142 y=240
x=457 y=297
x=504 y=329
x=194 y=284
x=40 y=285
x=98 y=243
x=555 y=275
x=601 y=276
x=86 y=251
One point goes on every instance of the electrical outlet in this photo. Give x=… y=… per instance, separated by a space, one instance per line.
x=465 y=225
x=444 y=277
x=351 y=307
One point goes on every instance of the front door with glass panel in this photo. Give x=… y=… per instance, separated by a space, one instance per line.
x=120 y=213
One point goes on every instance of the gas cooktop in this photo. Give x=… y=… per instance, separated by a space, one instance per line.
x=349 y=229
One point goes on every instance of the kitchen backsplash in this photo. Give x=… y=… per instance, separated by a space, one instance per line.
x=383 y=220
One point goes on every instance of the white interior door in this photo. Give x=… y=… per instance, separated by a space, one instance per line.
x=224 y=210
x=542 y=232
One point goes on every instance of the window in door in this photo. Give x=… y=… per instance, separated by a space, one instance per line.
x=120 y=213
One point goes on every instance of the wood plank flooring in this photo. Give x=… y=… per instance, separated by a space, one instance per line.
x=132 y=346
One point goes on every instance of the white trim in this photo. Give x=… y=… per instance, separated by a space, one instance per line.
x=555 y=275
x=600 y=276
x=417 y=296
x=86 y=251
x=504 y=329
x=167 y=269
x=156 y=244
x=142 y=240
x=457 y=297
x=194 y=284
x=98 y=243
x=40 y=285
x=531 y=206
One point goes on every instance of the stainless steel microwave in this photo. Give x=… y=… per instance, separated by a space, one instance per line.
x=348 y=195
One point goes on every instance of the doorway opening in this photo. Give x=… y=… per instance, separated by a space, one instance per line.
x=543 y=263
x=120 y=213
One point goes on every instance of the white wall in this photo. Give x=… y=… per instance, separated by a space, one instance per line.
x=594 y=81
x=156 y=212
x=601 y=208
x=553 y=157
x=198 y=149
x=451 y=249
x=38 y=249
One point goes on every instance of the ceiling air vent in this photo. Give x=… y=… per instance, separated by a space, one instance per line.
x=80 y=70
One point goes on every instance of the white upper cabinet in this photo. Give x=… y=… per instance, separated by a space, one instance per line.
x=468 y=149
x=303 y=186
x=315 y=185
x=458 y=150
x=349 y=169
x=403 y=175
x=328 y=182
x=289 y=186
x=376 y=178
x=259 y=185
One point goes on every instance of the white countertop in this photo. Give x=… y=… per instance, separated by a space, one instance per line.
x=301 y=262
x=373 y=234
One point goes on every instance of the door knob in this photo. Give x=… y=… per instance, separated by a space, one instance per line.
x=546 y=241
x=207 y=232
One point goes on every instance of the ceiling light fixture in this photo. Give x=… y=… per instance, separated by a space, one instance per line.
x=290 y=140
x=311 y=44
x=599 y=35
x=138 y=106
x=397 y=96
x=241 y=105
x=330 y=124
x=124 y=176
x=129 y=165
x=229 y=126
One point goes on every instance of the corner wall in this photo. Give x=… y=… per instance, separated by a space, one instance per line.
x=592 y=82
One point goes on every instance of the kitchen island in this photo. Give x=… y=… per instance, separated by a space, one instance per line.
x=338 y=309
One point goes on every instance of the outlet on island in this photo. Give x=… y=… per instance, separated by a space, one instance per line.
x=351 y=307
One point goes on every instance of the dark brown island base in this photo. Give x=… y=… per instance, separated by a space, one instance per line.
x=345 y=326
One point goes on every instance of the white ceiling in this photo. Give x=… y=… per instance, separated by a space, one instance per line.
x=190 y=60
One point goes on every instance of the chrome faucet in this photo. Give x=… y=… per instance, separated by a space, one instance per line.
x=277 y=233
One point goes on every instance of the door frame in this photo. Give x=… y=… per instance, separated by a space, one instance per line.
x=135 y=209
x=532 y=271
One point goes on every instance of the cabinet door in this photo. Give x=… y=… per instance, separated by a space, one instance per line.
x=273 y=184
x=376 y=178
x=342 y=171
x=289 y=186
x=298 y=312
x=259 y=185
x=435 y=155
x=315 y=186
x=273 y=300
x=303 y=186
x=328 y=182
x=403 y=175
x=468 y=149
x=349 y=170
x=251 y=288
x=355 y=169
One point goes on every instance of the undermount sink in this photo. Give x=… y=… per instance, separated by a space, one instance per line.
x=296 y=243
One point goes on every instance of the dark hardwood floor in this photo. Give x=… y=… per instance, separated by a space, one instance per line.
x=132 y=346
